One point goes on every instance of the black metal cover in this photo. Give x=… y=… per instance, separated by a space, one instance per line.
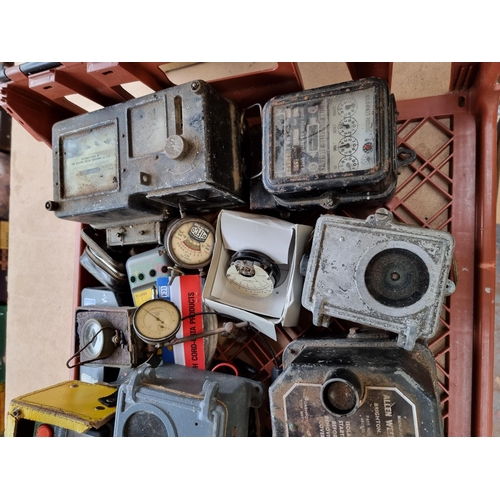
x=361 y=386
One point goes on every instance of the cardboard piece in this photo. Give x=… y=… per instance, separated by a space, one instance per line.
x=282 y=242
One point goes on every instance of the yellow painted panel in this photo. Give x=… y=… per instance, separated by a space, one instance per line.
x=73 y=405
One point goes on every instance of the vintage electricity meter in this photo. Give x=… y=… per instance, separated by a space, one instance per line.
x=125 y=164
x=332 y=145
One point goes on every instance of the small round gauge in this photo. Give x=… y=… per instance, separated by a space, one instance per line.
x=99 y=332
x=348 y=164
x=347 y=107
x=157 y=321
x=348 y=145
x=253 y=273
x=348 y=126
x=190 y=242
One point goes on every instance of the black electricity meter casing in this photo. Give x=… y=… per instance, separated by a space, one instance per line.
x=332 y=145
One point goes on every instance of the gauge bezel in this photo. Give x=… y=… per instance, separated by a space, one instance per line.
x=159 y=340
x=169 y=233
x=107 y=345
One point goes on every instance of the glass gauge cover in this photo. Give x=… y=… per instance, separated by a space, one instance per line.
x=157 y=321
x=308 y=135
x=252 y=274
x=190 y=242
x=99 y=332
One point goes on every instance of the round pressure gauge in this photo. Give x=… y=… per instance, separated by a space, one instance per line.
x=157 y=321
x=253 y=273
x=190 y=242
x=98 y=334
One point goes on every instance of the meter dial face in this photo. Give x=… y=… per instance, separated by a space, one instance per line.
x=99 y=333
x=348 y=145
x=250 y=279
x=311 y=138
x=348 y=107
x=157 y=321
x=348 y=126
x=348 y=164
x=190 y=242
x=253 y=273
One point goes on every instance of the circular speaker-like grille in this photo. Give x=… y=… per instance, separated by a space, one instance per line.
x=397 y=277
x=144 y=424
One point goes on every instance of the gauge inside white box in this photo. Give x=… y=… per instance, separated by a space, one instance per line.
x=283 y=243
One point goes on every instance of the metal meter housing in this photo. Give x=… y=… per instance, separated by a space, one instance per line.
x=379 y=273
x=332 y=145
x=359 y=386
x=126 y=163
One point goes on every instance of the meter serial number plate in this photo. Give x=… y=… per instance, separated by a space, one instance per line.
x=327 y=135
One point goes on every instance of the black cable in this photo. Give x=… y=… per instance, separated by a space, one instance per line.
x=262 y=336
x=84 y=347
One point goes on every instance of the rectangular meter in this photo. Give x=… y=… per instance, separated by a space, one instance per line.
x=124 y=164
x=331 y=145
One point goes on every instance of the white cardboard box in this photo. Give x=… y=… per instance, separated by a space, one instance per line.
x=281 y=241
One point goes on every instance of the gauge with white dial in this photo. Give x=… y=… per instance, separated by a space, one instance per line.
x=190 y=242
x=348 y=126
x=252 y=274
x=157 y=321
x=98 y=334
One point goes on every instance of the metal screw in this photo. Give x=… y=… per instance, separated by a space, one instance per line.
x=73 y=386
x=292 y=427
x=383 y=215
x=99 y=408
x=16 y=412
x=195 y=86
x=141 y=232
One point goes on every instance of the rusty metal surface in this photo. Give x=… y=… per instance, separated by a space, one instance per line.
x=121 y=165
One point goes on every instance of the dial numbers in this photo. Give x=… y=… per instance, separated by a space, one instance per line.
x=348 y=145
x=348 y=164
x=347 y=107
x=348 y=126
x=250 y=279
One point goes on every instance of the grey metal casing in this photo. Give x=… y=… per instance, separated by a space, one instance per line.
x=335 y=286
x=122 y=164
x=174 y=401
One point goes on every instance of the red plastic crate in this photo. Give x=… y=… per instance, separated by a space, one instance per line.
x=451 y=186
